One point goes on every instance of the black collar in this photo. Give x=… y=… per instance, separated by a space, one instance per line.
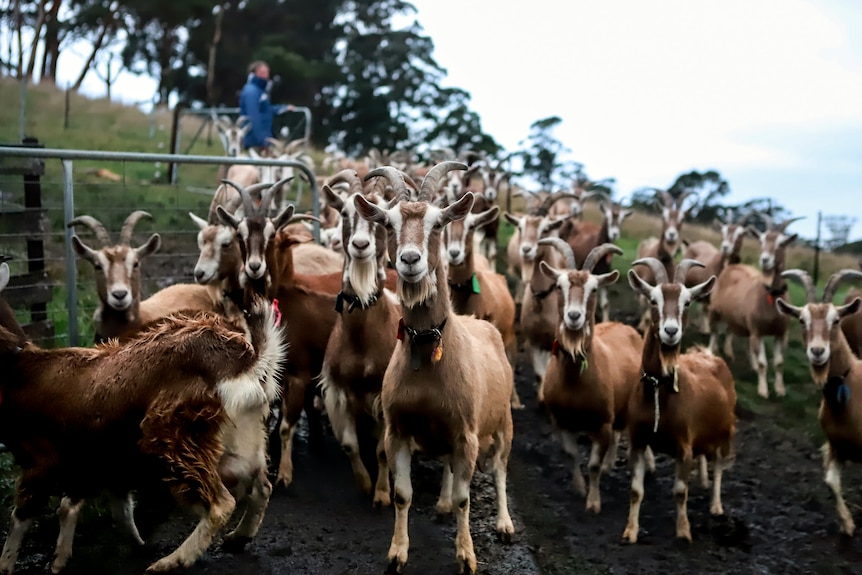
x=669 y=381
x=470 y=286
x=424 y=337
x=836 y=392
x=354 y=302
x=559 y=350
x=540 y=295
x=772 y=293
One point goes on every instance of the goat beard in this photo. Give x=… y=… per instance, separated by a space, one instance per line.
x=412 y=295
x=575 y=342
x=669 y=357
x=820 y=373
x=362 y=276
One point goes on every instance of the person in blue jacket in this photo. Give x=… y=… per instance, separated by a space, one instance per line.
x=255 y=104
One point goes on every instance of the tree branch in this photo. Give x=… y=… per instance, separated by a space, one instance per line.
x=37 y=34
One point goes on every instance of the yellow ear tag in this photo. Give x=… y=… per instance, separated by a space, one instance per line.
x=437 y=354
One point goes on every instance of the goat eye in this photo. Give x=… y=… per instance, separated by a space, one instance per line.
x=226 y=244
x=98 y=267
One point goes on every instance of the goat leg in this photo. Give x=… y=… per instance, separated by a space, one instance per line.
x=463 y=466
x=715 y=507
x=832 y=468
x=601 y=444
x=398 y=453
x=505 y=527
x=680 y=494
x=778 y=364
x=122 y=511
x=757 y=355
x=69 y=511
x=444 y=501
x=637 y=495
x=381 y=489
x=570 y=445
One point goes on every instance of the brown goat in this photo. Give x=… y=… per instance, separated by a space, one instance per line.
x=743 y=300
x=852 y=324
x=838 y=373
x=156 y=411
x=683 y=404
x=592 y=368
x=440 y=355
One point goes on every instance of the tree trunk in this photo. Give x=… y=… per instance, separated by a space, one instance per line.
x=20 y=22
x=97 y=45
x=37 y=34
x=51 y=53
x=165 y=49
x=211 y=96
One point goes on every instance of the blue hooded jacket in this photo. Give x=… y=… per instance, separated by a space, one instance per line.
x=254 y=103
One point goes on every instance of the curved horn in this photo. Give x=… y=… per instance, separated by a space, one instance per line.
x=837 y=278
x=350 y=177
x=666 y=198
x=129 y=225
x=95 y=225
x=682 y=197
x=551 y=199
x=598 y=253
x=805 y=280
x=431 y=181
x=395 y=178
x=564 y=248
x=682 y=270
x=783 y=225
x=269 y=193
x=247 y=203
x=768 y=221
x=656 y=267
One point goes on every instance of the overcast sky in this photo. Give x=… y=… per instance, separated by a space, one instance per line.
x=767 y=92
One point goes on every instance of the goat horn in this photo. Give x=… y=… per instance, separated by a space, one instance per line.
x=666 y=198
x=395 y=178
x=304 y=217
x=597 y=253
x=656 y=267
x=837 y=278
x=247 y=203
x=805 y=280
x=564 y=248
x=767 y=219
x=551 y=199
x=431 y=181
x=682 y=197
x=293 y=146
x=95 y=225
x=269 y=193
x=349 y=176
x=783 y=225
x=129 y=225
x=682 y=270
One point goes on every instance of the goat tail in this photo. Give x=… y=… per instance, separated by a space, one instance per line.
x=267 y=339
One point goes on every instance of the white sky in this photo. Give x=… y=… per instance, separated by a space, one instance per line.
x=767 y=92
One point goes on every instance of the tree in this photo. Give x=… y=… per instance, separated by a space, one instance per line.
x=543 y=158
x=708 y=187
x=839 y=230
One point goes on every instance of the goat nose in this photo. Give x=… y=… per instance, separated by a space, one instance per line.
x=818 y=351
x=525 y=249
x=120 y=293
x=410 y=257
x=454 y=252
x=199 y=274
x=671 y=330
x=360 y=244
x=254 y=266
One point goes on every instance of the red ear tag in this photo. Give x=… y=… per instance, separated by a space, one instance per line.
x=555 y=349
x=769 y=299
x=277 y=313
x=400 y=333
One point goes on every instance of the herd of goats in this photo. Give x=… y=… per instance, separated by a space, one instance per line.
x=400 y=327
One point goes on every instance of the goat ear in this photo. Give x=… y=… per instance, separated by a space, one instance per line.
x=333 y=198
x=485 y=218
x=152 y=245
x=790 y=309
x=227 y=218
x=787 y=240
x=717 y=224
x=457 y=210
x=83 y=249
x=702 y=290
x=369 y=211
x=843 y=311
x=608 y=278
x=4 y=276
x=753 y=232
x=516 y=221
x=625 y=213
x=548 y=271
x=685 y=243
x=253 y=153
x=638 y=284
x=556 y=223
x=283 y=218
x=199 y=222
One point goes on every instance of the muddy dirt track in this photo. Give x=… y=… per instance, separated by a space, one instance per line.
x=780 y=519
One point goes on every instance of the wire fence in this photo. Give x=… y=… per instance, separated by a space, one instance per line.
x=107 y=186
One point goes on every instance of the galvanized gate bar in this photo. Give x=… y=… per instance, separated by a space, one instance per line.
x=71 y=268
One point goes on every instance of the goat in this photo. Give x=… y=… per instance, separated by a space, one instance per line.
x=156 y=411
x=362 y=340
x=683 y=403
x=232 y=133
x=852 y=324
x=592 y=367
x=448 y=386
x=284 y=151
x=121 y=312
x=743 y=301
x=665 y=247
x=837 y=372
x=479 y=292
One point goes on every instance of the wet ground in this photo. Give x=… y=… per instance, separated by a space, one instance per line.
x=780 y=519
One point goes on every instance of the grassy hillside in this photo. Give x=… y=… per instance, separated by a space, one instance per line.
x=99 y=125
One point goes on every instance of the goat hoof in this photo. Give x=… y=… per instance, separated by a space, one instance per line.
x=505 y=532
x=595 y=507
x=382 y=499
x=443 y=507
x=630 y=535
x=716 y=510
x=395 y=566
x=467 y=565
x=234 y=543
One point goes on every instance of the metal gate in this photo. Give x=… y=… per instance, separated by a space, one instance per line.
x=107 y=186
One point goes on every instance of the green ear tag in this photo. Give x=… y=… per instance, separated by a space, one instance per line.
x=476 y=284
x=585 y=365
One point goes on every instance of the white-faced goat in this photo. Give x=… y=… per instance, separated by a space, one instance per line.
x=448 y=386
x=121 y=312
x=743 y=301
x=159 y=410
x=232 y=133
x=593 y=367
x=683 y=403
x=838 y=373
